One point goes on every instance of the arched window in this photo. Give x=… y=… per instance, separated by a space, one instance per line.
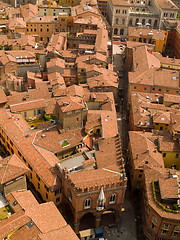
x=122 y=32
x=87 y=203
x=143 y=21
x=115 y=31
x=112 y=198
x=137 y=20
x=149 y=21
x=155 y=23
x=116 y=20
x=123 y=21
x=130 y=22
x=69 y=195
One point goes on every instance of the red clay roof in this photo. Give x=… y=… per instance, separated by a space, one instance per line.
x=11 y=168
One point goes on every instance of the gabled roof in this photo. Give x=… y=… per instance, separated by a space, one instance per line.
x=10 y=168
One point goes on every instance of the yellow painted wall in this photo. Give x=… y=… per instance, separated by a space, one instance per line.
x=69 y=2
x=159 y=44
x=94 y=130
x=160 y=126
x=171 y=159
x=30 y=113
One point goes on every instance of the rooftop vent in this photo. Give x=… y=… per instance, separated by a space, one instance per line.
x=174 y=78
x=43 y=135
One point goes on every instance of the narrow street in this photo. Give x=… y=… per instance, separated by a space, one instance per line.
x=128 y=223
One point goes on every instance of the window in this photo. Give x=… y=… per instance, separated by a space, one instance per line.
x=112 y=198
x=116 y=20
x=176 y=231
x=47 y=196
x=153 y=89
x=116 y=11
x=149 y=21
x=140 y=175
x=70 y=196
x=167 y=91
x=122 y=32
x=25 y=114
x=161 y=128
x=153 y=222
x=38 y=111
x=159 y=90
x=166 y=226
x=130 y=22
x=58 y=199
x=38 y=177
x=29 y=166
x=123 y=21
x=34 y=112
x=164 y=154
x=40 y=29
x=47 y=189
x=135 y=88
x=57 y=192
x=177 y=92
x=41 y=38
x=44 y=14
x=137 y=20
x=35 y=29
x=155 y=23
x=145 y=88
x=31 y=175
x=115 y=31
x=134 y=39
x=38 y=186
x=143 y=21
x=177 y=155
x=87 y=203
x=27 y=30
x=47 y=29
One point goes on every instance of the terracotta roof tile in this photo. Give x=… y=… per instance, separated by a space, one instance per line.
x=144 y=149
x=29 y=105
x=3 y=98
x=65 y=233
x=25 y=200
x=70 y=103
x=168 y=188
x=144 y=32
x=11 y=168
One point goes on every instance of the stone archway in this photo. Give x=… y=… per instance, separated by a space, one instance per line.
x=108 y=217
x=87 y=221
